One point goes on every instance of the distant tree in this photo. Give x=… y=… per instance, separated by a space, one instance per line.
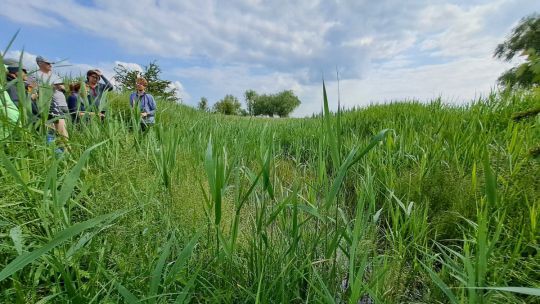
x=203 y=104
x=243 y=112
x=229 y=105
x=250 y=96
x=281 y=104
x=161 y=88
x=285 y=103
x=524 y=40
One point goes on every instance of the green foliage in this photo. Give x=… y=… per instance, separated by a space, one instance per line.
x=323 y=209
x=524 y=41
x=250 y=97
x=203 y=104
x=158 y=87
x=281 y=104
x=229 y=105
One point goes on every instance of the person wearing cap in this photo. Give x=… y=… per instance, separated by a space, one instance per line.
x=13 y=69
x=144 y=102
x=59 y=107
x=45 y=73
x=96 y=89
x=44 y=78
x=59 y=103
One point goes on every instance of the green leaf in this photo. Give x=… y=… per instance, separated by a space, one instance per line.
x=16 y=235
x=185 y=296
x=10 y=43
x=491 y=182
x=73 y=176
x=128 y=296
x=183 y=257
x=442 y=286
x=13 y=171
x=158 y=271
x=61 y=237
x=522 y=290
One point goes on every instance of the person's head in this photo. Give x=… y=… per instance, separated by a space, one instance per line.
x=13 y=67
x=44 y=64
x=75 y=87
x=93 y=77
x=58 y=84
x=141 y=84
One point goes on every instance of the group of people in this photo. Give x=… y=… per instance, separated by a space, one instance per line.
x=85 y=99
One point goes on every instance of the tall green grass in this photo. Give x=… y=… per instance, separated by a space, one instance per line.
x=405 y=202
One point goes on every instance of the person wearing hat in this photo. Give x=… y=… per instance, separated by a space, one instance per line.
x=13 y=69
x=45 y=73
x=59 y=102
x=43 y=78
x=96 y=89
x=59 y=107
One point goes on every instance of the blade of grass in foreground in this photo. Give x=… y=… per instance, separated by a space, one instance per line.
x=435 y=278
x=332 y=137
x=522 y=290
x=10 y=43
x=73 y=176
x=183 y=257
x=13 y=171
x=353 y=157
x=128 y=296
x=158 y=271
x=61 y=237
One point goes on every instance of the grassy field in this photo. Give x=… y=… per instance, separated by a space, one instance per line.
x=398 y=203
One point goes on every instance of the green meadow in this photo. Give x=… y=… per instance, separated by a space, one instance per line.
x=398 y=203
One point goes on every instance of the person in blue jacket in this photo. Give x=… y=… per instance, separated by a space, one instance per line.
x=145 y=103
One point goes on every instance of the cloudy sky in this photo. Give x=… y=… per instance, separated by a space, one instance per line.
x=384 y=50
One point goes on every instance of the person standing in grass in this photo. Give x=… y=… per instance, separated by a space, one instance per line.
x=59 y=108
x=12 y=75
x=52 y=85
x=9 y=114
x=144 y=102
x=96 y=89
x=45 y=72
x=75 y=107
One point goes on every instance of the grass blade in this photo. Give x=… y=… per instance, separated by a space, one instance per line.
x=73 y=176
x=61 y=237
x=128 y=296
x=158 y=271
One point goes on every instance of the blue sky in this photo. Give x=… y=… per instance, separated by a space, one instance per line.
x=383 y=50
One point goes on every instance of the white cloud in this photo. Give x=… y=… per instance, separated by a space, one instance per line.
x=180 y=91
x=65 y=67
x=129 y=65
x=29 y=13
x=457 y=82
x=384 y=49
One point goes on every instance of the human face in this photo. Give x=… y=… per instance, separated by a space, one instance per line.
x=141 y=87
x=45 y=67
x=93 y=79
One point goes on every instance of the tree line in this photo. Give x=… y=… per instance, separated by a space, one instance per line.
x=279 y=104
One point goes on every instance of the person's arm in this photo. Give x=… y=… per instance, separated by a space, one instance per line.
x=152 y=105
x=108 y=85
